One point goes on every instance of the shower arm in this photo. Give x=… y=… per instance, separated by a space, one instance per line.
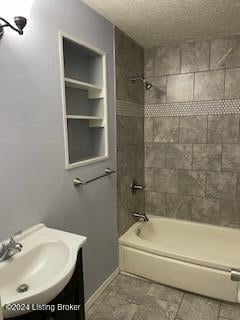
x=147 y=84
x=142 y=78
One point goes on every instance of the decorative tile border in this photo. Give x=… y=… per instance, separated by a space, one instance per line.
x=192 y=108
x=189 y=108
x=125 y=108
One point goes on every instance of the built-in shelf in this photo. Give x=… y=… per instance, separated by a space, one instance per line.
x=84 y=102
x=83 y=117
x=93 y=121
x=94 y=91
x=72 y=83
x=86 y=161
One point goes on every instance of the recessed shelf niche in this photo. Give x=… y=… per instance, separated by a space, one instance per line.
x=83 y=71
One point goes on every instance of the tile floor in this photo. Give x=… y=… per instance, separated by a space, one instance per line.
x=129 y=298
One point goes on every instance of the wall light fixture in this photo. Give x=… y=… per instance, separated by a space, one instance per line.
x=20 y=23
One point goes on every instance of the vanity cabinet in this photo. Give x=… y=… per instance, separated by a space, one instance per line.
x=84 y=98
x=72 y=294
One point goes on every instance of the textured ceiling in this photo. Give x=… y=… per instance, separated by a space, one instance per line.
x=153 y=22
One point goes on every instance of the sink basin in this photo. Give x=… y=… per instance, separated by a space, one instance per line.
x=45 y=265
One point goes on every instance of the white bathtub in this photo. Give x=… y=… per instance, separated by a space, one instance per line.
x=191 y=256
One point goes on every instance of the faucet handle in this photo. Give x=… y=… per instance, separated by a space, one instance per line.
x=15 y=244
x=136 y=187
x=12 y=240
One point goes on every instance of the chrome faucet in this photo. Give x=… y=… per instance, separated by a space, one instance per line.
x=140 y=216
x=136 y=187
x=10 y=249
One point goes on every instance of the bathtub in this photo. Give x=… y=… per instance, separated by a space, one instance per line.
x=195 y=257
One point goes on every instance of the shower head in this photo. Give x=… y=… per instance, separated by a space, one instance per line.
x=146 y=84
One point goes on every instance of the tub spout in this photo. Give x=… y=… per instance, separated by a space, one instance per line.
x=235 y=275
x=140 y=216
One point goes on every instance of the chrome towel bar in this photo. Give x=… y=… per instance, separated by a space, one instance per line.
x=77 y=181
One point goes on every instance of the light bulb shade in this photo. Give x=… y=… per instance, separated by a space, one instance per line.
x=1 y=31
x=20 y=22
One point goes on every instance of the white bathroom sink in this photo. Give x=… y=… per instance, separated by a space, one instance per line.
x=45 y=264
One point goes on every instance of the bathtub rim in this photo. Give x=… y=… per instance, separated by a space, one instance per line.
x=130 y=239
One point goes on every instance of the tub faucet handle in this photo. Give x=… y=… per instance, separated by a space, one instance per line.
x=136 y=187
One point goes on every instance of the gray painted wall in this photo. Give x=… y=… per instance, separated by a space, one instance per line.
x=34 y=184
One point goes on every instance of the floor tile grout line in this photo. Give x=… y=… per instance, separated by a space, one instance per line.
x=176 y=317
x=138 y=307
x=146 y=294
x=125 y=300
x=164 y=299
x=95 y=304
x=117 y=298
x=135 y=309
x=219 y=309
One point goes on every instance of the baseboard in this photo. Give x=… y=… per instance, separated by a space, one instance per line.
x=131 y=275
x=100 y=290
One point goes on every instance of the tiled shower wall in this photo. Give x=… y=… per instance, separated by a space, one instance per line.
x=192 y=150
x=130 y=128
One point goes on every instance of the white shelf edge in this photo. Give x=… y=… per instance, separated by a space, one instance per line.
x=85 y=162
x=72 y=83
x=84 y=117
x=94 y=92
